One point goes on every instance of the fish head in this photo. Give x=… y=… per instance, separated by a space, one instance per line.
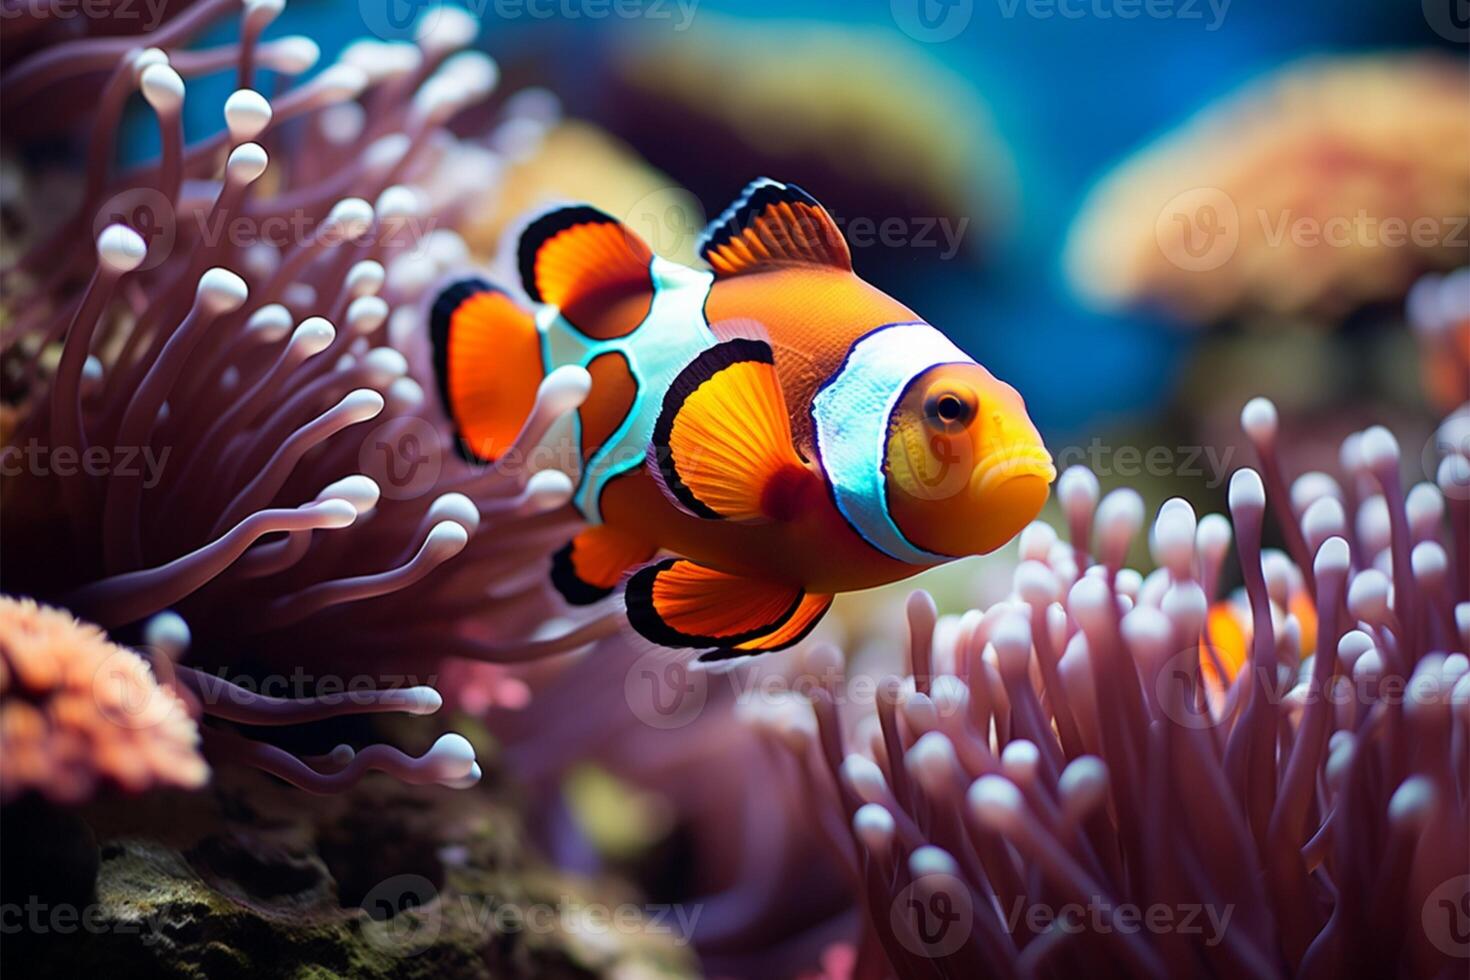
x=966 y=469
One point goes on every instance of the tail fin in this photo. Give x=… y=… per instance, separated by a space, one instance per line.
x=487 y=361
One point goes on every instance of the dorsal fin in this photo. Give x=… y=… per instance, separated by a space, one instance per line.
x=589 y=265
x=772 y=224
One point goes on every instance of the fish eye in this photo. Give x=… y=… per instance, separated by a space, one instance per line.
x=949 y=408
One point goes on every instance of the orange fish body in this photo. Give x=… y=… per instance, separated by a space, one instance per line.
x=784 y=429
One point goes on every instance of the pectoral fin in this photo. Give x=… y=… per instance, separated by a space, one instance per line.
x=589 y=566
x=722 y=446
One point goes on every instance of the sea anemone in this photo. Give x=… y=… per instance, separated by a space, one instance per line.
x=77 y=711
x=1053 y=788
x=1320 y=188
x=216 y=418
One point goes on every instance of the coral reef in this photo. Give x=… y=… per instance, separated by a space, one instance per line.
x=1325 y=186
x=77 y=710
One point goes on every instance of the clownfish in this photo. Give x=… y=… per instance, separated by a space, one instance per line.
x=757 y=437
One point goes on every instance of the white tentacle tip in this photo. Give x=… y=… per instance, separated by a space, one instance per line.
x=361 y=404
x=162 y=87
x=349 y=218
x=292 y=55
x=873 y=825
x=168 y=633
x=547 y=490
x=365 y=278
x=450 y=762
x=996 y=802
x=931 y=860
x=314 y=335
x=864 y=777
x=335 y=513
x=445 y=28
x=1379 y=447
x=1259 y=420
x=339 y=82
x=246 y=163
x=247 y=114
x=221 y=291
x=421 y=700
x=1011 y=638
x=121 y=249
x=271 y=322
x=366 y=314
x=1078 y=490
x=458 y=508
x=1334 y=556
x=446 y=539
x=362 y=492
x=1247 y=492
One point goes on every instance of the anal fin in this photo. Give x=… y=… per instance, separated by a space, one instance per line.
x=680 y=603
x=589 y=567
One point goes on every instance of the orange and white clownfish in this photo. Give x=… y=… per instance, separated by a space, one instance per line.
x=757 y=437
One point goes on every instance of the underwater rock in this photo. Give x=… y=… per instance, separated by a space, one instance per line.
x=252 y=879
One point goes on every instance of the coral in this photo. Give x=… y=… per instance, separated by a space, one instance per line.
x=77 y=711
x=1053 y=784
x=220 y=444
x=1322 y=187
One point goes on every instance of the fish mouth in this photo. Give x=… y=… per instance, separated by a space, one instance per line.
x=1012 y=462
